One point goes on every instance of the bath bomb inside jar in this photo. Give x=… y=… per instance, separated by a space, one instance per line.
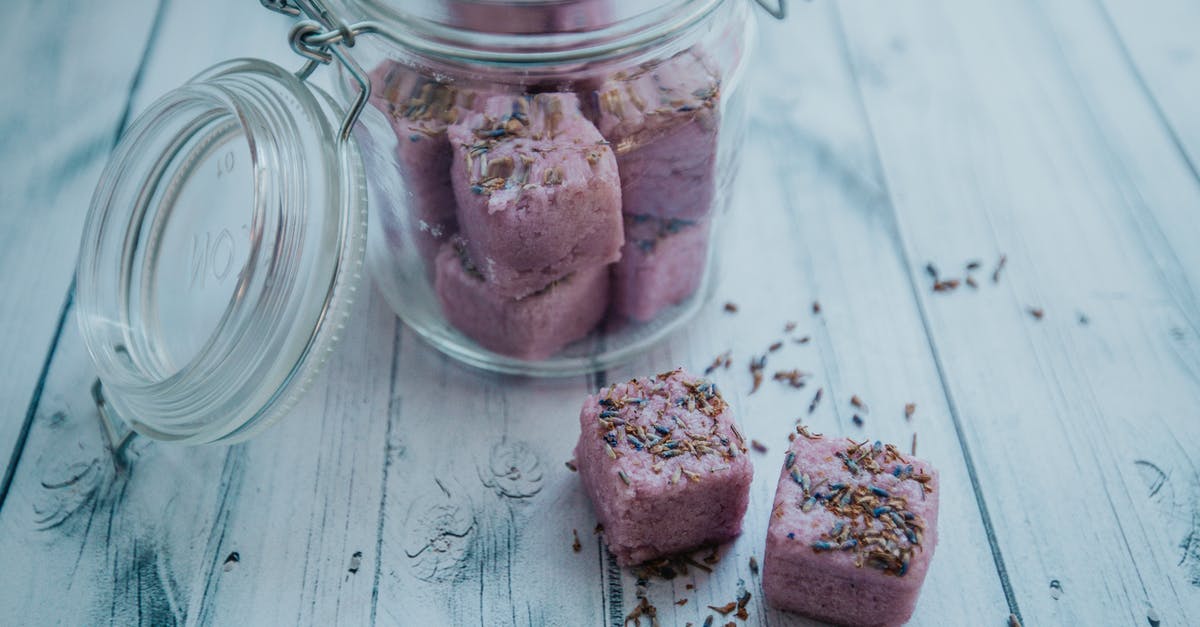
x=537 y=191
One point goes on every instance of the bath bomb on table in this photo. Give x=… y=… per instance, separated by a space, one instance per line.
x=852 y=531
x=661 y=264
x=662 y=121
x=664 y=464
x=534 y=327
x=537 y=190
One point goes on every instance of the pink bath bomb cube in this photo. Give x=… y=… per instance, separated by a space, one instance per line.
x=534 y=327
x=852 y=532
x=662 y=121
x=662 y=264
x=664 y=465
x=419 y=110
x=538 y=192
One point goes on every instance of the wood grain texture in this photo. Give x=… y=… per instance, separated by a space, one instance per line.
x=995 y=135
x=406 y=489
x=59 y=118
x=477 y=522
x=151 y=547
x=1159 y=39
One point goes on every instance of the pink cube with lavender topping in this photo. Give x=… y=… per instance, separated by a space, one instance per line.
x=538 y=192
x=534 y=327
x=664 y=464
x=852 y=531
x=662 y=122
x=661 y=265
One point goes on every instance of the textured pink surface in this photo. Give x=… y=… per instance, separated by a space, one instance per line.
x=534 y=327
x=686 y=475
x=843 y=549
x=661 y=265
x=537 y=189
x=420 y=110
x=662 y=122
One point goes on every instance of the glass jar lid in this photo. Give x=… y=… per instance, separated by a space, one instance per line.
x=221 y=252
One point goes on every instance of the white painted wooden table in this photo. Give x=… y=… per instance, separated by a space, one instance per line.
x=885 y=135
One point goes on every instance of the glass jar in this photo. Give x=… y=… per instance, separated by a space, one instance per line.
x=544 y=181
x=558 y=193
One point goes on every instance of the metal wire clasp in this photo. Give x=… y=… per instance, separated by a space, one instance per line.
x=117 y=436
x=322 y=38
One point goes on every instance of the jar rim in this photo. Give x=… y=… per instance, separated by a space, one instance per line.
x=447 y=42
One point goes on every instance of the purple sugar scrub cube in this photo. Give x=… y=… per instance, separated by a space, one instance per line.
x=534 y=327
x=538 y=192
x=661 y=265
x=664 y=465
x=852 y=532
x=419 y=110
x=662 y=122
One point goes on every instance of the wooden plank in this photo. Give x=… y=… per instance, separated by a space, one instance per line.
x=58 y=120
x=996 y=134
x=193 y=38
x=115 y=548
x=1157 y=185
x=479 y=508
x=153 y=546
x=1159 y=39
x=303 y=511
x=478 y=529
x=808 y=223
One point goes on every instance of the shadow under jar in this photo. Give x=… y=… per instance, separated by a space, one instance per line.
x=542 y=182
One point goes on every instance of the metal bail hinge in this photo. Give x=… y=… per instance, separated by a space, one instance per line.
x=282 y=6
x=320 y=40
x=117 y=436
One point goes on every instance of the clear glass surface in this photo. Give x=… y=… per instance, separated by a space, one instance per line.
x=219 y=254
x=689 y=55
